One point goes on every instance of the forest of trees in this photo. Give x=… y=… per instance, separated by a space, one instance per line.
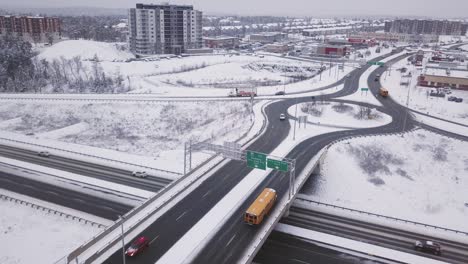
x=22 y=72
x=98 y=28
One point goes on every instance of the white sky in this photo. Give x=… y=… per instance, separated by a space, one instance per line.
x=430 y=8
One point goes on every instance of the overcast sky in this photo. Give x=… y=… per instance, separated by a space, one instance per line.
x=430 y=8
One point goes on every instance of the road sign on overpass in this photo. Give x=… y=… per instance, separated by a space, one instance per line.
x=256 y=160
x=378 y=63
x=277 y=165
x=364 y=89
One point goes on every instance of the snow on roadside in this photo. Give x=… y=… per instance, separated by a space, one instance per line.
x=340 y=115
x=420 y=177
x=29 y=235
x=129 y=131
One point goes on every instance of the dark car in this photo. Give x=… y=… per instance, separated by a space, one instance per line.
x=458 y=100
x=280 y=93
x=137 y=246
x=44 y=154
x=452 y=98
x=428 y=246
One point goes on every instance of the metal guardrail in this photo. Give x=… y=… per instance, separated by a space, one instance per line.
x=88 y=155
x=77 y=252
x=49 y=210
x=384 y=216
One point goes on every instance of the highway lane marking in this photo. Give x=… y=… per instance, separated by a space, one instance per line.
x=181 y=215
x=298 y=260
x=153 y=240
x=206 y=193
x=230 y=240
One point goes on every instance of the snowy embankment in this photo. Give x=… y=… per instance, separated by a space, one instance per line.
x=200 y=234
x=129 y=132
x=420 y=177
x=29 y=235
x=403 y=87
x=86 y=50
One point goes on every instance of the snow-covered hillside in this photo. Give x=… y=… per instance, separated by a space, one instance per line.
x=86 y=49
x=421 y=177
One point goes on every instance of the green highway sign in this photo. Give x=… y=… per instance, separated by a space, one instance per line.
x=277 y=165
x=364 y=89
x=256 y=160
x=378 y=63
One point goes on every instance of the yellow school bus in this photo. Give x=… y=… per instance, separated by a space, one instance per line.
x=383 y=92
x=260 y=207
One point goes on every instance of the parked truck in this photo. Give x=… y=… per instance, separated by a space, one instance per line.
x=243 y=92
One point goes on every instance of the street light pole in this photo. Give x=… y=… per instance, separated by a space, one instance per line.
x=123 y=241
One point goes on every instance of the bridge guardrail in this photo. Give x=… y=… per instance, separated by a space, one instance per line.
x=383 y=216
x=49 y=210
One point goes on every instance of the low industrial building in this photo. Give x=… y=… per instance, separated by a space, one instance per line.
x=437 y=77
x=221 y=42
x=331 y=50
x=396 y=37
x=277 y=48
x=267 y=37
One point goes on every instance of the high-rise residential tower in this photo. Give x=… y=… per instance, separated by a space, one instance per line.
x=164 y=29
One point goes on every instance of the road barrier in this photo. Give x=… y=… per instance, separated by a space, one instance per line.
x=50 y=210
x=383 y=216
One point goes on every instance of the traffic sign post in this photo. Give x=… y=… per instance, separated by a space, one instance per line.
x=277 y=165
x=256 y=160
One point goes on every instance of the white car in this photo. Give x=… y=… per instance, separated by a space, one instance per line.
x=140 y=174
x=282 y=117
x=44 y=154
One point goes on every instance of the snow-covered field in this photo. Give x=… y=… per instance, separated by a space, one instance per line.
x=86 y=50
x=158 y=130
x=29 y=235
x=208 y=75
x=340 y=115
x=420 y=177
x=419 y=98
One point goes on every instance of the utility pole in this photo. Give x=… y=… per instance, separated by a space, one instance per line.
x=407 y=105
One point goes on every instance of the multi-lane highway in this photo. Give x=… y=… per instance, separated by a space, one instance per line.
x=389 y=237
x=288 y=249
x=97 y=171
x=65 y=197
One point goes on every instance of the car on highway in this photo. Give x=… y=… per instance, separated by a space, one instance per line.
x=377 y=77
x=43 y=153
x=428 y=246
x=137 y=246
x=280 y=93
x=282 y=117
x=140 y=174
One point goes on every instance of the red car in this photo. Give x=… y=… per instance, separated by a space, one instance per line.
x=137 y=246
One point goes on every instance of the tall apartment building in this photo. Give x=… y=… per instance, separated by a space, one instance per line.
x=426 y=27
x=32 y=29
x=164 y=29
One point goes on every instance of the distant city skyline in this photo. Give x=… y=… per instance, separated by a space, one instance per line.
x=403 y=8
